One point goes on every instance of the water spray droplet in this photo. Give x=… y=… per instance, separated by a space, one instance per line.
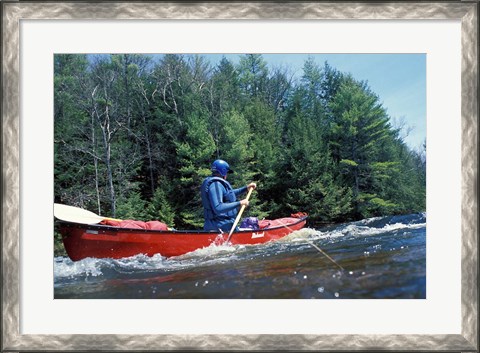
x=305 y=277
x=320 y=289
x=337 y=295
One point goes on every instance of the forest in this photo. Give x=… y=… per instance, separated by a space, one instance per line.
x=135 y=135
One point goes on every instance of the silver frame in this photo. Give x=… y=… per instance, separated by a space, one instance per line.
x=14 y=11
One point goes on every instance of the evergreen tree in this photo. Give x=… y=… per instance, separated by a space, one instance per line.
x=133 y=207
x=236 y=145
x=311 y=89
x=265 y=146
x=194 y=156
x=224 y=91
x=160 y=208
x=253 y=75
x=360 y=133
x=236 y=148
x=308 y=169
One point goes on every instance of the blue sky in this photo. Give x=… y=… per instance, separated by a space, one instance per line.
x=398 y=79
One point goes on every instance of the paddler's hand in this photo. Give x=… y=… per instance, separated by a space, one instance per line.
x=252 y=186
x=244 y=202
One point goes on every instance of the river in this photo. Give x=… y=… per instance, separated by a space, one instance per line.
x=373 y=258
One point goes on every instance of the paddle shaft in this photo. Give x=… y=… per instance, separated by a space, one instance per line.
x=239 y=216
x=78 y=215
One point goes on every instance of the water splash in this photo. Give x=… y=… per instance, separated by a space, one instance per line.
x=66 y=268
x=371 y=227
x=212 y=250
x=353 y=229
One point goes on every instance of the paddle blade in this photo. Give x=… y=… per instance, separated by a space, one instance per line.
x=75 y=214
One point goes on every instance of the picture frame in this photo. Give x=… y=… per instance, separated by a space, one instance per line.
x=13 y=12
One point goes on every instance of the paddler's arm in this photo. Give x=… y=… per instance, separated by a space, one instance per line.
x=215 y=192
x=240 y=191
x=244 y=189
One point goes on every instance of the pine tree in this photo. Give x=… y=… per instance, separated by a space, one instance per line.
x=309 y=171
x=160 y=208
x=224 y=91
x=253 y=76
x=359 y=135
x=236 y=146
x=265 y=146
x=194 y=154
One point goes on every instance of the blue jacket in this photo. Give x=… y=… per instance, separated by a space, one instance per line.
x=220 y=205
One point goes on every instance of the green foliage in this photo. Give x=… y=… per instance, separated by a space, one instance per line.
x=362 y=141
x=236 y=146
x=311 y=172
x=372 y=205
x=134 y=138
x=253 y=75
x=58 y=248
x=160 y=208
x=265 y=148
x=194 y=155
x=132 y=207
x=348 y=163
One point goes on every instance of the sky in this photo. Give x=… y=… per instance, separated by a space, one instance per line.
x=399 y=80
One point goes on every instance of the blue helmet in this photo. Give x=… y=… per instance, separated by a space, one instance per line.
x=221 y=167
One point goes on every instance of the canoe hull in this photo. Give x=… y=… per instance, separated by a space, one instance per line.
x=99 y=241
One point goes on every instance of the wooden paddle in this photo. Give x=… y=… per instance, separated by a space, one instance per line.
x=77 y=215
x=239 y=216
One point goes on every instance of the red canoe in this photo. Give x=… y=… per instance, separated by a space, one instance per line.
x=103 y=241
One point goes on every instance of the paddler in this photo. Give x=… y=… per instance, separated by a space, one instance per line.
x=219 y=199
